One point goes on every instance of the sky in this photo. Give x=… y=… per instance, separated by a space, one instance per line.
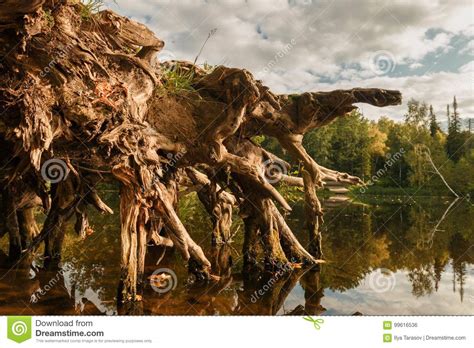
x=423 y=48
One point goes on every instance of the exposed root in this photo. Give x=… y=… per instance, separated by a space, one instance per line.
x=88 y=94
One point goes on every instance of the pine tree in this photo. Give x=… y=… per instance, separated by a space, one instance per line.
x=456 y=122
x=434 y=127
x=455 y=140
x=448 y=116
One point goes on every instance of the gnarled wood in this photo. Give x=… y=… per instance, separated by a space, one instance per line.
x=84 y=91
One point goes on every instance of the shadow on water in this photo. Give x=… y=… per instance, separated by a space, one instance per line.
x=392 y=256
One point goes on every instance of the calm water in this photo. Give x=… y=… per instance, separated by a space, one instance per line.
x=397 y=256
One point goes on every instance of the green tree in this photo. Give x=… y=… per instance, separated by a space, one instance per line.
x=417 y=114
x=448 y=116
x=434 y=127
x=397 y=141
x=345 y=144
x=456 y=139
x=455 y=121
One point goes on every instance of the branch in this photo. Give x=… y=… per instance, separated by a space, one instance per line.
x=427 y=153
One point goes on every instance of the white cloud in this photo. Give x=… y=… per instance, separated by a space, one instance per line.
x=437 y=89
x=467 y=68
x=334 y=40
x=415 y=65
x=469 y=48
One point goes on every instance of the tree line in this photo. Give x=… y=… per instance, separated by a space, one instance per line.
x=415 y=156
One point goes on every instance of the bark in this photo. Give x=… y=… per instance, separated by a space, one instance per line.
x=28 y=227
x=11 y=224
x=314 y=215
x=18 y=219
x=131 y=230
x=426 y=151
x=218 y=204
x=62 y=208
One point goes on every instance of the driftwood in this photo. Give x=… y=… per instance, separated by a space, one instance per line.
x=83 y=99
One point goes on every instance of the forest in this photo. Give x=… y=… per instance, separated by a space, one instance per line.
x=394 y=158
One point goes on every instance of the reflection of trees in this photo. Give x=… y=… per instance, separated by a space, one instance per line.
x=313 y=293
x=438 y=269
x=421 y=259
x=420 y=227
x=352 y=248
x=421 y=244
x=355 y=243
x=94 y=262
x=459 y=248
x=422 y=280
x=429 y=241
x=265 y=293
x=357 y=240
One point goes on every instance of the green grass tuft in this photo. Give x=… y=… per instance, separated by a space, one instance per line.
x=208 y=68
x=177 y=81
x=90 y=8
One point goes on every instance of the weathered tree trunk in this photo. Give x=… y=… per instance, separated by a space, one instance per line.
x=18 y=218
x=314 y=215
x=62 y=208
x=260 y=226
x=218 y=204
x=11 y=224
x=131 y=244
x=83 y=90
x=28 y=227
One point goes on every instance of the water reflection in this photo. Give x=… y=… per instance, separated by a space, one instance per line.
x=425 y=249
